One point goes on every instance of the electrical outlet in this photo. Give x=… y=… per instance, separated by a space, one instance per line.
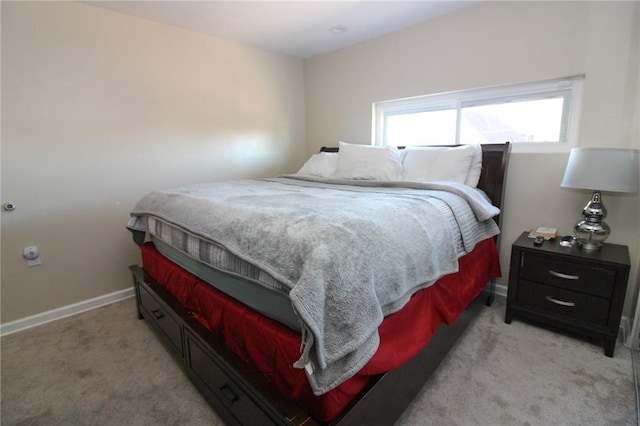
x=33 y=262
x=32 y=255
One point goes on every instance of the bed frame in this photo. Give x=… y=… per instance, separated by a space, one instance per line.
x=241 y=395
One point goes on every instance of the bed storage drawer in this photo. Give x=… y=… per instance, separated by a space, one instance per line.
x=160 y=315
x=239 y=394
x=211 y=377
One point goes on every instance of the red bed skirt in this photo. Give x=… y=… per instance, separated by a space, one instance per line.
x=272 y=348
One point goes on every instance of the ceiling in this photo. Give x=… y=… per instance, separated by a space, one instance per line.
x=297 y=28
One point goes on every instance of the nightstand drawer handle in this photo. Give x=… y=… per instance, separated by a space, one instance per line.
x=564 y=276
x=560 y=302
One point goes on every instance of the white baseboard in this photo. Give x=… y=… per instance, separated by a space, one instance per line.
x=65 y=311
x=624 y=335
x=501 y=290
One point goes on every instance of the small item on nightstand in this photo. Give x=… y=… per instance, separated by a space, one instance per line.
x=546 y=233
x=538 y=241
x=568 y=241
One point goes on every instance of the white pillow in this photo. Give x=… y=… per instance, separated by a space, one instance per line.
x=434 y=163
x=369 y=162
x=473 y=177
x=323 y=165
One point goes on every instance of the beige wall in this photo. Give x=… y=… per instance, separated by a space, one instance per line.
x=99 y=108
x=495 y=43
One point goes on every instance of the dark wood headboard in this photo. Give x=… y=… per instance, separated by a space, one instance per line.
x=495 y=158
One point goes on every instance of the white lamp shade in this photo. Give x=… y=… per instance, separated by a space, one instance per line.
x=603 y=169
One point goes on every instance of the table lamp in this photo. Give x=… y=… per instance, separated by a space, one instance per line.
x=599 y=169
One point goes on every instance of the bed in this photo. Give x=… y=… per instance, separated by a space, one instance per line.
x=297 y=330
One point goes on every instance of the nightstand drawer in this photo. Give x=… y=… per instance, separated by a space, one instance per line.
x=567 y=274
x=580 y=306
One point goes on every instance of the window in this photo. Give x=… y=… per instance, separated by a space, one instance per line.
x=534 y=113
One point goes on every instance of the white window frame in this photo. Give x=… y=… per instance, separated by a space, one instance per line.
x=570 y=88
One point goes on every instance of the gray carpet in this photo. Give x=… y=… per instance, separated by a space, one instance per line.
x=93 y=369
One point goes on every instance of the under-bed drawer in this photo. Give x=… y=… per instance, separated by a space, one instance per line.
x=212 y=379
x=159 y=314
x=239 y=394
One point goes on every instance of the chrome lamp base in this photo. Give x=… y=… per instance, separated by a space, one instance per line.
x=591 y=231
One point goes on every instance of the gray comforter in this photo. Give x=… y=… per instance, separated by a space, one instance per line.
x=350 y=254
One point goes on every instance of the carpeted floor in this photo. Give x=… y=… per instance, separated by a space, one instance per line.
x=94 y=369
x=635 y=359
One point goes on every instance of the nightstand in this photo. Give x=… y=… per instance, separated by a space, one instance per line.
x=570 y=289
